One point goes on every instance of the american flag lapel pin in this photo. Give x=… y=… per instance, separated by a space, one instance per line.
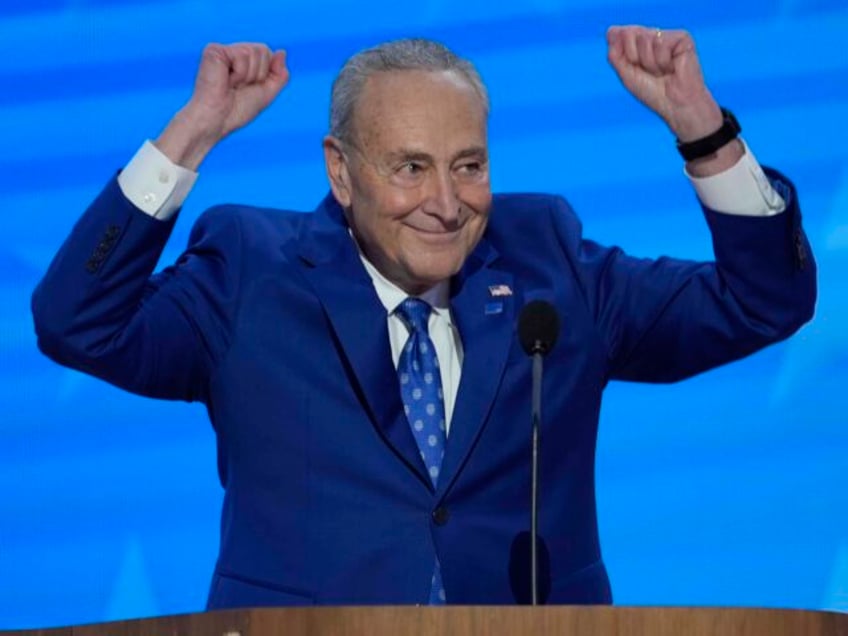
x=499 y=291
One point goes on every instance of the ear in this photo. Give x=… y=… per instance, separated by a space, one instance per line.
x=337 y=171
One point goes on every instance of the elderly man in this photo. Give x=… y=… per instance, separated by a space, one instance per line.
x=359 y=364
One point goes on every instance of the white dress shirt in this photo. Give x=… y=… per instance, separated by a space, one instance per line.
x=158 y=187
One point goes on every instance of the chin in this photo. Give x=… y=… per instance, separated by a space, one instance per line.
x=427 y=278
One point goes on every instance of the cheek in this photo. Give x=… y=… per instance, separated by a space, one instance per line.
x=392 y=209
x=476 y=195
x=479 y=201
x=476 y=228
x=399 y=202
x=387 y=201
x=385 y=229
x=377 y=210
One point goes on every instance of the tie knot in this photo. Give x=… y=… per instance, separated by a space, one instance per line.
x=415 y=313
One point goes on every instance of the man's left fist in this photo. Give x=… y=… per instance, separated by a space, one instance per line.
x=661 y=69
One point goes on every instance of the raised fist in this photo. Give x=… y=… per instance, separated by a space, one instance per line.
x=661 y=69
x=234 y=84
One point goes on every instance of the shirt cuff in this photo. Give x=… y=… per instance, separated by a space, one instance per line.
x=155 y=184
x=743 y=190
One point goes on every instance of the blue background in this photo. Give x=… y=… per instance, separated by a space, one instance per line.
x=728 y=489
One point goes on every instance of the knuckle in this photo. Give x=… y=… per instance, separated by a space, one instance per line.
x=212 y=49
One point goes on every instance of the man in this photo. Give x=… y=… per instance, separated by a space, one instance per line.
x=360 y=365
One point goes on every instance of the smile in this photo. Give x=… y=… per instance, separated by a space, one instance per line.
x=436 y=236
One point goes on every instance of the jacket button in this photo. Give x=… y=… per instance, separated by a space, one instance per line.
x=441 y=516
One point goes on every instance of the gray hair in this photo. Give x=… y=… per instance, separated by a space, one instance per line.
x=410 y=54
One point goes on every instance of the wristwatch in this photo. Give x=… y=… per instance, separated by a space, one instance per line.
x=705 y=146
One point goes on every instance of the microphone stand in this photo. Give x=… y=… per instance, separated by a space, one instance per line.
x=538 y=327
x=536 y=417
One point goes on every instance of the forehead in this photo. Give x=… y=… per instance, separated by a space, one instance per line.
x=426 y=109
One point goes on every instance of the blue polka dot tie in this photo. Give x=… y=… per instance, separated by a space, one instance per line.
x=423 y=401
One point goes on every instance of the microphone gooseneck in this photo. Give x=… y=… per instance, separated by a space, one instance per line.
x=538 y=329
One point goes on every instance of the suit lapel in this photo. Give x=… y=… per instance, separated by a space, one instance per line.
x=347 y=294
x=485 y=323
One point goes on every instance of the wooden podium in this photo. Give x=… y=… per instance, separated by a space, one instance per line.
x=468 y=621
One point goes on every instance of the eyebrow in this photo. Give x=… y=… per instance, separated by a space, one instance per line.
x=409 y=155
x=418 y=155
x=474 y=151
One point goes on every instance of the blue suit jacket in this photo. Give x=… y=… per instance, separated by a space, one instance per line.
x=270 y=319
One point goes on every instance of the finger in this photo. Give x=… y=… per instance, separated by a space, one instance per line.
x=240 y=65
x=246 y=51
x=264 y=64
x=255 y=58
x=617 y=55
x=214 y=65
x=278 y=76
x=662 y=48
x=615 y=45
x=631 y=50
x=214 y=54
x=278 y=72
x=613 y=36
x=645 y=39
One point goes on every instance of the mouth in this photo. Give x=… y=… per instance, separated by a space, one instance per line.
x=436 y=237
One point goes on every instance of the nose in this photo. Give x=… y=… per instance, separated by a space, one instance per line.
x=442 y=199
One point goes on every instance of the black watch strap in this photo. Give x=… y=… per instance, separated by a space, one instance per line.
x=708 y=145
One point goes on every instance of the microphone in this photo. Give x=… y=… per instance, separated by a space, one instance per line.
x=538 y=328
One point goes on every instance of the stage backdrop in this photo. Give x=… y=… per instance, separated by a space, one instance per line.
x=728 y=489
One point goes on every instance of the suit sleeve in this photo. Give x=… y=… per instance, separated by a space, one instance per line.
x=666 y=319
x=99 y=310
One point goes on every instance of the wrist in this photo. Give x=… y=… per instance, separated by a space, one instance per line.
x=188 y=138
x=697 y=121
x=699 y=116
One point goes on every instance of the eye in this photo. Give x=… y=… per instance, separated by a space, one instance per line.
x=471 y=170
x=409 y=173
x=411 y=168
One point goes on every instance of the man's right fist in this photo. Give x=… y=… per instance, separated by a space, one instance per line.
x=234 y=84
